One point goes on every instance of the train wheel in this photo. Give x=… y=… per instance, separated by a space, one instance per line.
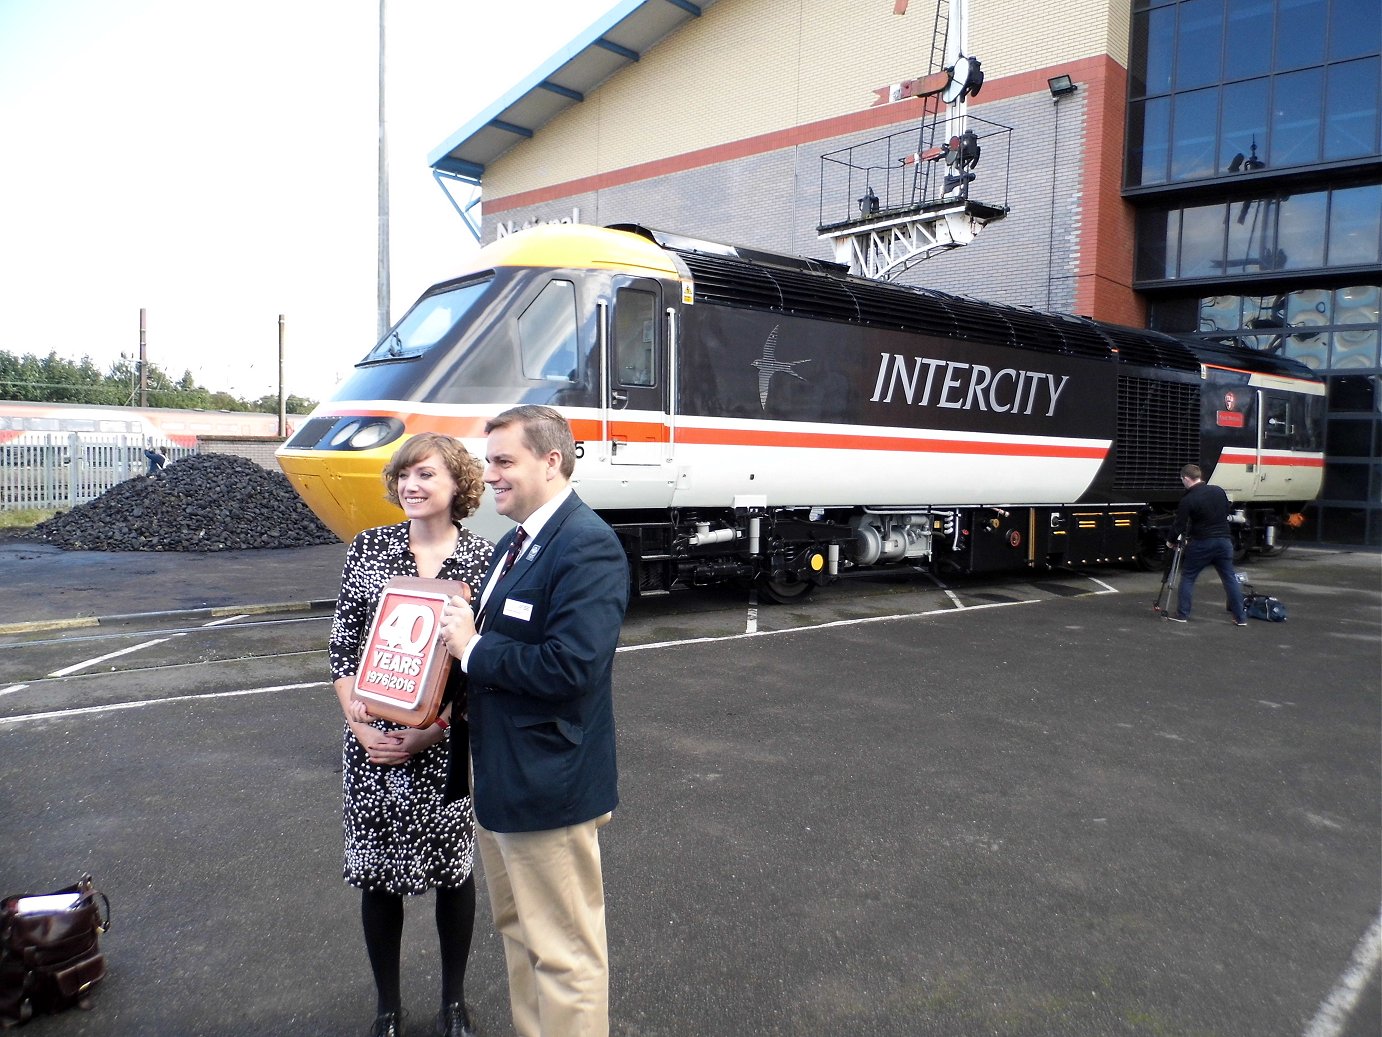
x=783 y=591
x=1151 y=554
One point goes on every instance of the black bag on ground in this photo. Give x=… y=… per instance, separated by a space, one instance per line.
x=1264 y=606
x=50 y=954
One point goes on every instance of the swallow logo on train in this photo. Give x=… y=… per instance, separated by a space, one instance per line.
x=768 y=365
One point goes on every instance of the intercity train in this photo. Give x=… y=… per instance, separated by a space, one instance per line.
x=743 y=415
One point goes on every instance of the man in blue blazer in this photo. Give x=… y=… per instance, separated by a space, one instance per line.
x=539 y=650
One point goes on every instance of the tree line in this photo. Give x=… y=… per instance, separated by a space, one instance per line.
x=53 y=379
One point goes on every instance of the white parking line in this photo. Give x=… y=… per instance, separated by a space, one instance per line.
x=1333 y=1014
x=226 y=619
x=825 y=626
x=114 y=707
x=110 y=655
x=134 y=648
x=13 y=687
x=955 y=598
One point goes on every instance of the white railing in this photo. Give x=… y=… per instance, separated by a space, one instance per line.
x=64 y=469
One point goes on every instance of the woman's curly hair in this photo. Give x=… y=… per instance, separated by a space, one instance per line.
x=464 y=467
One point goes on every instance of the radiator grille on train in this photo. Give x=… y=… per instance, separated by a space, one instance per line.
x=1158 y=431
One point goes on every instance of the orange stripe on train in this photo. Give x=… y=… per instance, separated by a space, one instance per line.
x=845 y=441
x=1292 y=461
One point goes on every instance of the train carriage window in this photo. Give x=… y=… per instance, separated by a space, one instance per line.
x=430 y=321
x=547 y=334
x=635 y=335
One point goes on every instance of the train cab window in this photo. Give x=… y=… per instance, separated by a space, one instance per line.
x=1292 y=423
x=547 y=334
x=635 y=337
x=1277 y=420
x=429 y=322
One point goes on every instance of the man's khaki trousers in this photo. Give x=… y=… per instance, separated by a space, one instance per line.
x=548 y=897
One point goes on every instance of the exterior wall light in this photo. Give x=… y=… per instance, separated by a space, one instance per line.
x=1061 y=85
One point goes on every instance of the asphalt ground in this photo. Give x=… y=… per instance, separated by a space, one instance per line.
x=1023 y=817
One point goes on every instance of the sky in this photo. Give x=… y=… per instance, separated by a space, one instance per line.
x=216 y=165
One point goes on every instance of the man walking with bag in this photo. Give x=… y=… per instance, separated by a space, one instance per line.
x=539 y=651
x=1202 y=518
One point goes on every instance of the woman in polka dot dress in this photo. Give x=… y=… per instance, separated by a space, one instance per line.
x=401 y=837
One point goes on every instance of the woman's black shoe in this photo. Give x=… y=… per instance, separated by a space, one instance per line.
x=453 y=1021
x=388 y=1024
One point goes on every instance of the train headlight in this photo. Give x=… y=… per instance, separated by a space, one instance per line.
x=364 y=433
x=354 y=432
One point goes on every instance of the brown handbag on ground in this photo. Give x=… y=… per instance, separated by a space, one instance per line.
x=50 y=954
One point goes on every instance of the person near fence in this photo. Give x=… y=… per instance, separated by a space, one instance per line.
x=156 y=458
x=1202 y=520
x=403 y=833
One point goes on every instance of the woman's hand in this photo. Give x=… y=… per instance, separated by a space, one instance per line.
x=417 y=740
x=385 y=748
x=357 y=712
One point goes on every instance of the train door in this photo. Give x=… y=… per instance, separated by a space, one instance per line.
x=636 y=378
x=1282 y=430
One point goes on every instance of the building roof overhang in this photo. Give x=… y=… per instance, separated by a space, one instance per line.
x=618 y=39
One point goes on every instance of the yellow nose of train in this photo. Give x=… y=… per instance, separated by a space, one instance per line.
x=344 y=490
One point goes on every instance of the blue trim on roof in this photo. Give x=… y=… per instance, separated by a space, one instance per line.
x=508 y=127
x=614 y=48
x=472 y=171
x=587 y=39
x=687 y=6
x=562 y=91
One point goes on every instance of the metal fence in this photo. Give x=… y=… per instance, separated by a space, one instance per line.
x=64 y=469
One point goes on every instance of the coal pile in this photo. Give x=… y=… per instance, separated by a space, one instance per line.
x=206 y=502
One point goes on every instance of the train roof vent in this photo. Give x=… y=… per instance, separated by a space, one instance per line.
x=980 y=322
x=899 y=307
x=815 y=295
x=726 y=281
x=1036 y=331
x=1150 y=348
x=1082 y=337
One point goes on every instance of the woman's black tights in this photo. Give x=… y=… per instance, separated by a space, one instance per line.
x=382 y=915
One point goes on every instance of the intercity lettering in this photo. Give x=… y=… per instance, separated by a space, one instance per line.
x=951 y=384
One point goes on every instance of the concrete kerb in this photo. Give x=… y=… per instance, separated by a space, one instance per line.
x=216 y=612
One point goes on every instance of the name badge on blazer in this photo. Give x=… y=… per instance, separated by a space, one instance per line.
x=518 y=609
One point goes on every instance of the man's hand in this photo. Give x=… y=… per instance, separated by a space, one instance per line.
x=457 y=626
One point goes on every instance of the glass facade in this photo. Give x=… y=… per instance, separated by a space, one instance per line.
x=1254 y=161
x=1223 y=88
x=1336 y=230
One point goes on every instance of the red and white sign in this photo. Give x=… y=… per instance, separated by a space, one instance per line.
x=403 y=669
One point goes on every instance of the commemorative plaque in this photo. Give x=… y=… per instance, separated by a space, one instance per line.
x=403 y=670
